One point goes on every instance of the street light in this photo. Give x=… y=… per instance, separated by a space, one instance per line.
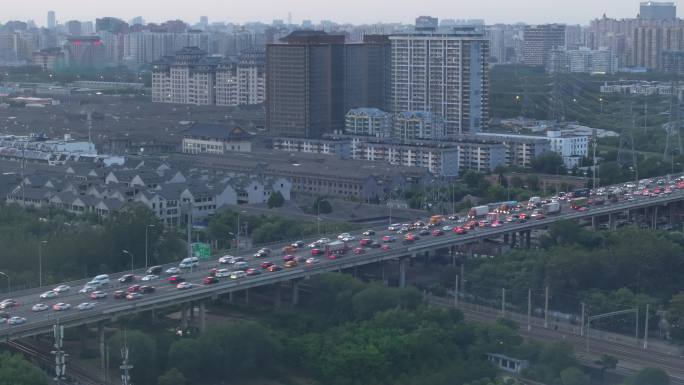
x=8 y=280
x=129 y=253
x=146 y=228
x=238 y=228
x=40 y=262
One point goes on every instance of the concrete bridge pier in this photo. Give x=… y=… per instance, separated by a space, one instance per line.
x=513 y=239
x=101 y=338
x=184 y=316
x=506 y=238
x=611 y=222
x=594 y=223
x=231 y=297
x=402 y=271
x=277 y=298
x=528 y=238
x=247 y=296
x=202 y=316
x=295 y=293
x=654 y=218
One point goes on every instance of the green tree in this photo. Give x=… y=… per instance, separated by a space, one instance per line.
x=142 y=354
x=573 y=376
x=15 y=370
x=172 y=376
x=675 y=316
x=186 y=355
x=649 y=376
x=607 y=362
x=276 y=200
x=548 y=163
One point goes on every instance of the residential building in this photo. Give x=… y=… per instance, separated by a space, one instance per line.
x=85 y=52
x=540 y=40
x=203 y=138
x=444 y=72
x=329 y=145
x=583 y=60
x=242 y=82
x=654 y=10
x=480 y=155
x=48 y=59
x=368 y=122
x=411 y=125
x=441 y=159
x=305 y=84
x=520 y=149
x=673 y=62
x=51 y=20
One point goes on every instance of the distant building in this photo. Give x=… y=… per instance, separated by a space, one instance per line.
x=51 y=20
x=440 y=158
x=203 y=138
x=508 y=364
x=74 y=28
x=48 y=59
x=444 y=72
x=368 y=122
x=85 y=52
x=412 y=125
x=673 y=62
x=654 y=10
x=583 y=60
x=540 y=40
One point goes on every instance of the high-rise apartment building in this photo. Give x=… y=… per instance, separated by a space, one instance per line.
x=305 y=85
x=51 y=20
x=540 y=40
x=444 y=73
x=654 y=10
x=242 y=82
x=73 y=27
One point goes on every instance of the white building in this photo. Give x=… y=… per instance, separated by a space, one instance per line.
x=202 y=138
x=368 y=122
x=241 y=83
x=583 y=60
x=444 y=72
x=411 y=125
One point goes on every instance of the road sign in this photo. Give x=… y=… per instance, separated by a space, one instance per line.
x=201 y=250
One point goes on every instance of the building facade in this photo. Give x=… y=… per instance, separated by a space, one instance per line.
x=368 y=122
x=203 y=138
x=412 y=125
x=540 y=40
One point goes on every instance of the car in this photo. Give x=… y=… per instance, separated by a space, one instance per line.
x=61 y=306
x=88 y=289
x=424 y=232
x=312 y=260
x=252 y=271
x=237 y=274
x=133 y=296
x=385 y=247
x=447 y=228
x=221 y=273
x=133 y=289
x=266 y=265
x=343 y=235
x=375 y=245
x=172 y=270
x=62 y=288
x=460 y=230
x=437 y=233
x=365 y=241
x=102 y=279
x=359 y=250
x=175 y=279
x=188 y=263
x=39 y=307
x=316 y=252
x=16 y=320
x=273 y=268
x=323 y=241
x=368 y=233
x=497 y=224
x=298 y=244
x=240 y=265
x=154 y=270
x=85 y=306
x=210 y=280
x=184 y=286
x=98 y=295
x=119 y=294
x=49 y=294
x=146 y=289
x=149 y=277
x=126 y=278
x=290 y=264
x=229 y=259
x=8 y=303
x=389 y=238
x=288 y=258
x=348 y=239
x=4 y=316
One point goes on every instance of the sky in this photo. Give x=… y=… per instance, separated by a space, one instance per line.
x=341 y=11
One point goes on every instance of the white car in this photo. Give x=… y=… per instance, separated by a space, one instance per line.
x=16 y=320
x=222 y=273
x=312 y=260
x=238 y=274
x=343 y=235
x=98 y=295
x=447 y=228
x=188 y=263
x=40 y=307
x=49 y=294
x=226 y=259
x=348 y=239
x=85 y=306
x=323 y=241
x=184 y=285
x=61 y=306
x=149 y=277
x=62 y=288
x=173 y=270
x=88 y=289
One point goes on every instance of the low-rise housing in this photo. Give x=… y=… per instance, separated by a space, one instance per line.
x=205 y=138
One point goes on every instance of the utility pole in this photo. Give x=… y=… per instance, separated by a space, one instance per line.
x=125 y=365
x=146 y=228
x=189 y=229
x=503 y=302
x=546 y=307
x=60 y=355
x=646 y=328
x=582 y=321
x=462 y=279
x=529 y=309
x=456 y=292
x=40 y=262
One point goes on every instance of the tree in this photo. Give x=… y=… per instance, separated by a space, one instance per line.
x=276 y=200
x=172 y=376
x=15 y=370
x=675 y=316
x=649 y=376
x=142 y=354
x=321 y=206
x=606 y=362
x=548 y=163
x=573 y=376
x=186 y=355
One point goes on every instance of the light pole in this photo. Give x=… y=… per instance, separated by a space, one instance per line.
x=40 y=262
x=146 y=228
x=8 y=280
x=131 y=254
x=238 y=228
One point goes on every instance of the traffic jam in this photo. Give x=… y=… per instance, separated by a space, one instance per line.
x=191 y=272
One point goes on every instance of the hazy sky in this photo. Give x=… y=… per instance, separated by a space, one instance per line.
x=354 y=11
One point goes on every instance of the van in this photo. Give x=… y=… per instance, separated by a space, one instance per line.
x=103 y=279
x=188 y=263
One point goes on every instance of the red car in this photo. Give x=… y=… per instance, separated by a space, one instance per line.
x=210 y=280
x=252 y=271
x=332 y=256
x=176 y=279
x=359 y=250
x=365 y=242
x=119 y=294
x=266 y=265
x=437 y=233
x=385 y=247
x=133 y=289
x=289 y=258
x=212 y=272
x=460 y=230
x=316 y=252
x=273 y=268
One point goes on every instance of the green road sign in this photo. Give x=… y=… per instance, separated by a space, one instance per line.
x=201 y=250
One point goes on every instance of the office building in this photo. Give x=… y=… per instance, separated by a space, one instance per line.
x=48 y=59
x=305 y=84
x=51 y=20
x=73 y=28
x=443 y=72
x=540 y=40
x=673 y=62
x=367 y=73
x=654 y=10
x=368 y=122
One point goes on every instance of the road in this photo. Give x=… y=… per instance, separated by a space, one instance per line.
x=167 y=294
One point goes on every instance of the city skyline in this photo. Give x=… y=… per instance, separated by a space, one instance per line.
x=492 y=11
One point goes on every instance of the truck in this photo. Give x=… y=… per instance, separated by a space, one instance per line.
x=551 y=208
x=576 y=203
x=336 y=247
x=436 y=220
x=478 y=211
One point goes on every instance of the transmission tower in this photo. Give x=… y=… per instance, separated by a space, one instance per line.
x=125 y=364
x=60 y=355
